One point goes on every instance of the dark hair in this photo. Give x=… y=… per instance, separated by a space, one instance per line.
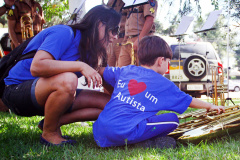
x=152 y=47
x=92 y=51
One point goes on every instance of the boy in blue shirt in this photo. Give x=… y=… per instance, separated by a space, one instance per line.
x=140 y=92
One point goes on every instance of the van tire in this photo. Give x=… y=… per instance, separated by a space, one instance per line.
x=236 y=89
x=195 y=67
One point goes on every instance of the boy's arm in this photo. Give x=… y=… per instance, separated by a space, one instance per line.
x=196 y=103
x=106 y=86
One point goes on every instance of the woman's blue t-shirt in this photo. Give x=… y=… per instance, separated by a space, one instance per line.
x=57 y=40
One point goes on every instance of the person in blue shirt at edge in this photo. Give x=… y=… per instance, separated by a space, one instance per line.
x=140 y=92
x=47 y=84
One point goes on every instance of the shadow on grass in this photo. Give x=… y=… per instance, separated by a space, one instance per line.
x=19 y=138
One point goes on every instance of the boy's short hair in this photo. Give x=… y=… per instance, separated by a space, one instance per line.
x=152 y=47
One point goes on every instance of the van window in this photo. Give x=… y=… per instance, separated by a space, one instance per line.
x=187 y=50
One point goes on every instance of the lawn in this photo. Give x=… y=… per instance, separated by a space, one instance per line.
x=19 y=139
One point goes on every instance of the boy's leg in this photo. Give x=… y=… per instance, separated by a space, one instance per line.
x=158 y=126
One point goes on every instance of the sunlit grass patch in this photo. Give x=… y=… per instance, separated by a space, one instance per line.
x=19 y=139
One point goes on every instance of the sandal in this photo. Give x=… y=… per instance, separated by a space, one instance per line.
x=40 y=126
x=46 y=143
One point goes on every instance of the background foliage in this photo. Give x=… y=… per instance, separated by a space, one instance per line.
x=57 y=12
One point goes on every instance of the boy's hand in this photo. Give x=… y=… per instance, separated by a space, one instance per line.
x=216 y=108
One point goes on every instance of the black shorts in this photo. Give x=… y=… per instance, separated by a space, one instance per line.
x=21 y=99
x=18 y=99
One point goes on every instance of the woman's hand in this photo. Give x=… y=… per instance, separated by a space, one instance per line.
x=219 y=109
x=91 y=75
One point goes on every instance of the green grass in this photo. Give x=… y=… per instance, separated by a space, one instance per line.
x=19 y=139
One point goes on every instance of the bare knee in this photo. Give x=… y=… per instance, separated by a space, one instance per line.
x=67 y=82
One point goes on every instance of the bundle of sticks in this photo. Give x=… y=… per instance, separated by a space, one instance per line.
x=200 y=126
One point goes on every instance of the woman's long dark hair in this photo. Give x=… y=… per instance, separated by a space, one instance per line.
x=91 y=48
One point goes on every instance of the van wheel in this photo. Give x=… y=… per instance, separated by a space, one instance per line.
x=236 y=89
x=195 y=68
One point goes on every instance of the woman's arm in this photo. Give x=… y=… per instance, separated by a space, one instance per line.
x=106 y=86
x=44 y=65
x=101 y=70
x=196 y=103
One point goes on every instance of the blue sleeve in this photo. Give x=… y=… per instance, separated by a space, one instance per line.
x=60 y=37
x=111 y=74
x=174 y=99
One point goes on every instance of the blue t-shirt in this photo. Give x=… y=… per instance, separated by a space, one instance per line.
x=57 y=40
x=139 y=93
